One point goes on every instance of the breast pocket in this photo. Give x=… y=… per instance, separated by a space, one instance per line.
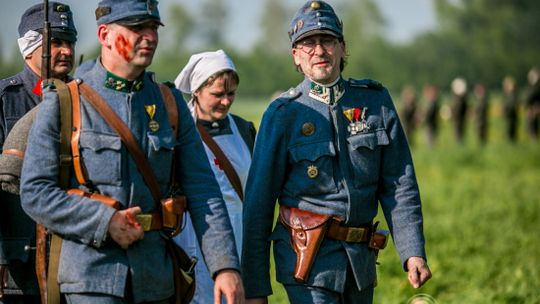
x=365 y=152
x=101 y=156
x=161 y=153
x=312 y=170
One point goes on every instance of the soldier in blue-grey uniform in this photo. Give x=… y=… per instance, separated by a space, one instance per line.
x=18 y=95
x=106 y=256
x=328 y=149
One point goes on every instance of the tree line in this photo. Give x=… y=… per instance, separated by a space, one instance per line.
x=481 y=41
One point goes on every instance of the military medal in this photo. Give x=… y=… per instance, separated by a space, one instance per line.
x=357 y=121
x=312 y=171
x=151 y=111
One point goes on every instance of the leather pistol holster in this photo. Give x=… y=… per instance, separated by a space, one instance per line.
x=172 y=209
x=307 y=231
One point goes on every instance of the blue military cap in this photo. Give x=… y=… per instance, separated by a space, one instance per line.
x=315 y=17
x=60 y=18
x=127 y=12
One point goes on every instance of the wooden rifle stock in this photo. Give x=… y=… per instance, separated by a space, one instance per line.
x=41 y=261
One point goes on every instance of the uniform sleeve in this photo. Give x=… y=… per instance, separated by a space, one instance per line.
x=399 y=193
x=42 y=198
x=265 y=179
x=205 y=203
x=2 y=122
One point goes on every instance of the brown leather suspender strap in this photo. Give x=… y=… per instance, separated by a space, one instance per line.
x=170 y=106
x=78 y=166
x=223 y=161
x=172 y=113
x=126 y=136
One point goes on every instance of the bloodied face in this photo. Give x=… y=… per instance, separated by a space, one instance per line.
x=128 y=47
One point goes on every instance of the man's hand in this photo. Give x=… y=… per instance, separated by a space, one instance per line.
x=229 y=284
x=418 y=270
x=124 y=228
x=3 y=279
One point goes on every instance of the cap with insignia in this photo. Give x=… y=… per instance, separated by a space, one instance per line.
x=60 y=18
x=127 y=12
x=315 y=17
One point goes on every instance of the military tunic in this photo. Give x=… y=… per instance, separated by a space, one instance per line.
x=89 y=262
x=307 y=155
x=18 y=95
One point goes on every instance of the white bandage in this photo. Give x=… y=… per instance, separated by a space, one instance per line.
x=29 y=42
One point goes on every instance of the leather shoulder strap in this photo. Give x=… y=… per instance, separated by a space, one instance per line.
x=64 y=97
x=231 y=174
x=126 y=136
x=170 y=106
x=78 y=165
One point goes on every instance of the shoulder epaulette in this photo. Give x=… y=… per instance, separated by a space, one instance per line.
x=285 y=97
x=8 y=82
x=366 y=83
x=291 y=94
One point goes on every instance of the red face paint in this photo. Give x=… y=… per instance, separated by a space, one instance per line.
x=124 y=48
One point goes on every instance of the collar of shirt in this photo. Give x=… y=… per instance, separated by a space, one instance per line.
x=328 y=94
x=218 y=127
x=120 y=84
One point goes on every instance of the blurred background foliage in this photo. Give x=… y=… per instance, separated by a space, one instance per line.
x=481 y=40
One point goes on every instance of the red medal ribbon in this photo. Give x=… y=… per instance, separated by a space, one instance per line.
x=356 y=114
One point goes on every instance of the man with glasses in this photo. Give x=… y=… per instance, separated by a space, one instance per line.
x=330 y=150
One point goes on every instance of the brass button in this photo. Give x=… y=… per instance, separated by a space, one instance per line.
x=308 y=129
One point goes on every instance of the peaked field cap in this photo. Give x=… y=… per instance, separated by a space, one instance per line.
x=60 y=19
x=127 y=12
x=315 y=17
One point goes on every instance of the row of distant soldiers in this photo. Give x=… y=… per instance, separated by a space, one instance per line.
x=412 y=117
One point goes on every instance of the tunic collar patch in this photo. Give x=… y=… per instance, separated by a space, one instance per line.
x=37 y=88
x=120 y=84
x=327 y=94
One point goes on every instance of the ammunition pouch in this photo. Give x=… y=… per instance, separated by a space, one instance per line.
x=172 y=210
x=378 y=239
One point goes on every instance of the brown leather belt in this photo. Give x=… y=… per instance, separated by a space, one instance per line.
x=347 y=234
x=150 y=221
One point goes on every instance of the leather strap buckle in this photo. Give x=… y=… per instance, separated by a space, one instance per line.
x=356 y=235
x=145 y=220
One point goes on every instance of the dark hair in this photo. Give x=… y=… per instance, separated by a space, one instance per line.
x=228 y=77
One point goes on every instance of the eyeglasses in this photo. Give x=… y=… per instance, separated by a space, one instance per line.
x=308 y=45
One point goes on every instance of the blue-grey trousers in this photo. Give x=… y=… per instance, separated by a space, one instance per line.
x=301 y=294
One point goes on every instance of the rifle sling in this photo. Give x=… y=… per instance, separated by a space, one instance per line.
x=231 y=174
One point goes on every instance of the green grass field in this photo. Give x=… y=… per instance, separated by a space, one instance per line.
x=481 y=209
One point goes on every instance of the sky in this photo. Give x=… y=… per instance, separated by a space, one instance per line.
x=405 y=19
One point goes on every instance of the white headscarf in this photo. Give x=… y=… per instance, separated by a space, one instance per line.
x=29 y=42
x=201 y=66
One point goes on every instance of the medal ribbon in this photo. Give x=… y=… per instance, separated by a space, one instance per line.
x=356 y=114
